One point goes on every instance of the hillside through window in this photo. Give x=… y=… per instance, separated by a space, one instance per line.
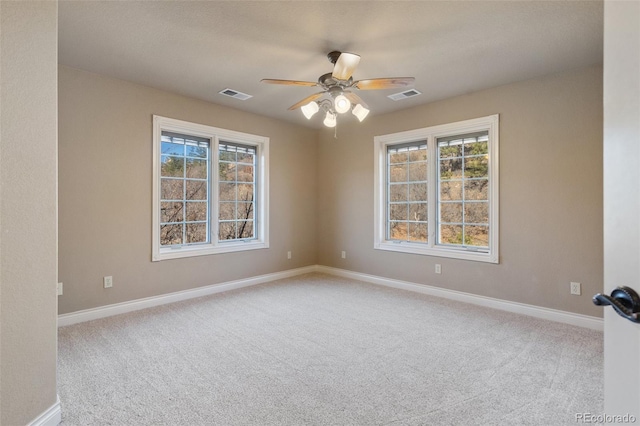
x=210 y=190
x=436 y=190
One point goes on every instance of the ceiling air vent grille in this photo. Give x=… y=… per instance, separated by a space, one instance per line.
x=404 y=95
x=235 y=94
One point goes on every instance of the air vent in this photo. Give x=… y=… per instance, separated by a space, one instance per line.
x=404 y=95
x=235 y=94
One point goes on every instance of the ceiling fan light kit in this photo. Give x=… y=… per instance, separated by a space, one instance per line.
x=339 y=85
x=360 y=112
x=310 y=109
x=330 y=119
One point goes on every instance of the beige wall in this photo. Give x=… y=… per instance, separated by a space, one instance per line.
x=550 y=193
x=105 y=183
x=28 y=259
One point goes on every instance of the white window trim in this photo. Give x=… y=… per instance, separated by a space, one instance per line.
x=429 y=134
x=261 y=241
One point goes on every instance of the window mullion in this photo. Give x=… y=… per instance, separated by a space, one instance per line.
x=432 y=189
x=215 y=190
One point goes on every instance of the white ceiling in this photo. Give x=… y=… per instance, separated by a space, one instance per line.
x=451 y=48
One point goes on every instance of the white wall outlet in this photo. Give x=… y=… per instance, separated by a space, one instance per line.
x=59 y=289
x=438 y=268
x=576 y=289
x=108 y=282
x=288 y=255
x=344 y=254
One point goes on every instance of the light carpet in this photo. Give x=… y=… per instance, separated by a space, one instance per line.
x=322 y=350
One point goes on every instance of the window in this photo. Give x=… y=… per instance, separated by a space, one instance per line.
x=436 y=190
x=210 y=190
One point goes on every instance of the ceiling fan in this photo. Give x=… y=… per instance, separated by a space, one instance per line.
x=339 y=86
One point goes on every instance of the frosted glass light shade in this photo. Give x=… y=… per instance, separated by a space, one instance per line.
x=330 y=120
x=360 y=112
x=310 y=109
x=342 y=104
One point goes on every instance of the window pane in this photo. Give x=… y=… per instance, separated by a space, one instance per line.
x=451 y=190
x=418 y=154
x=237 y=191
x=170 y=234
x=227 y=172
x=227 y=191
x=197 y=151
x=245 y=192
x=171 y=212
x=398 y=192
x=169 y=148
x=475 y=167
x=197 y=233
x=227 y=156
x=245 y=173
x=196 y=168
x=476 y=189
x=398 y=173
x=245 y=229
x=476 y=212
x=227 y=231
x=245 y=210
x=418 y=171
x=172 y=166
x=398 y=231
x=196 y=190
x=451 y=169
x=475 y=148
x=418 y=232
x=477 y=236
x=398 y=212
x=451 y=234
x=197 y=211
x=171 y=189
x=180 y=166
x=398 y=157
x=451 y=212
x=246 y=158
x=418 y=212
x=227 y=211
x=418 y=192
x=450 y=151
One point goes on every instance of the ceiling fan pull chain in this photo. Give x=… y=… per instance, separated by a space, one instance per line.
x=335 y=131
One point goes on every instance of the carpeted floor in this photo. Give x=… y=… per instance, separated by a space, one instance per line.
x=322 y=350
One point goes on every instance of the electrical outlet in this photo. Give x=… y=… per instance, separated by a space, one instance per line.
x=288 y=255
x=344 y=254
x=438 y=268
x=575 y=289
x=108 y=282
x=59 y=289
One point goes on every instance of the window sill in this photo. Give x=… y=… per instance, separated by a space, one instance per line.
x=231 y=247
x=453 y=253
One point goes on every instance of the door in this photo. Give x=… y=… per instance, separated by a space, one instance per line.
x=621 y=201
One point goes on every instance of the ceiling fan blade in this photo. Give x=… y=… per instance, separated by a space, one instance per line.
x=306 y=100
x=289 y=82
x=355 y=99
x=383 y=83
x=345 y=66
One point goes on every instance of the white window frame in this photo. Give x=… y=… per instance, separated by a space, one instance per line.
x=216 y=136
x=430 y=135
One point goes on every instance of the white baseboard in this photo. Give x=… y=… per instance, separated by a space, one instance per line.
x=50 y=417
x=148 y=302
x=585 y=321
